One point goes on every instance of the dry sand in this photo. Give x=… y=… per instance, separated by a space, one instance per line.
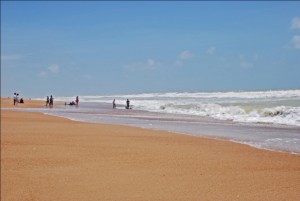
x=48 y=158
x=9 y=103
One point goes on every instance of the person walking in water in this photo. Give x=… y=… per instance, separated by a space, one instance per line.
x=114 y=103
x=47 y=101
x=77 y=100
x=127 y=104
x=51 y=101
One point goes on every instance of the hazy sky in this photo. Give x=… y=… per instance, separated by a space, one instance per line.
x=96 y=48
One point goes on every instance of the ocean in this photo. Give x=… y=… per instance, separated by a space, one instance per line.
x=262 y=119
x=274 y=107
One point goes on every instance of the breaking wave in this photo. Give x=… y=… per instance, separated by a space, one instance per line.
x=276 y=107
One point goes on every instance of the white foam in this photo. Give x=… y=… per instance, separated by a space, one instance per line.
x=276 y=107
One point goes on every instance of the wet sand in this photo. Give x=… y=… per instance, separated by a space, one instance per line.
x=50 y=158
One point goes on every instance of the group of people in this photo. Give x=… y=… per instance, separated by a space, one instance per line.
x=76 y=102
x=16 y=99
x=49 y=101
x=127 y=104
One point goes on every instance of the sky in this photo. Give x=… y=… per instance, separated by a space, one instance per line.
x=103 y=48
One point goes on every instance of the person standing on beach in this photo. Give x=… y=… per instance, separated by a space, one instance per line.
x=15 y=98
x=47 y=101
x=77 y=100
x=128 y=104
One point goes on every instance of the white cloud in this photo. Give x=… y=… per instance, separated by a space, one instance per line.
x=295 y=23
x=246 y=64
x=296 y=41
x=54 y=68
x=151 y=62
x=42 y=74
x=146 y=65
x=12 y=57
x=178 y=63
x=87 y=76
x=185 y=55
x=255 y=57
x=211 y=50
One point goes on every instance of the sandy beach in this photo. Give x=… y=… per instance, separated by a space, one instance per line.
x=28 y=103
x=49 y=158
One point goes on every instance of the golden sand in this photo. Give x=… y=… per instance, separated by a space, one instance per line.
x=9 y=103
x=49 y=158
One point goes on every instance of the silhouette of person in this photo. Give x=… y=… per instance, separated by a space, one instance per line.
x=77 y=100
x=51 y=101
x=47 y=101
x=15 y=98
x=114 y=103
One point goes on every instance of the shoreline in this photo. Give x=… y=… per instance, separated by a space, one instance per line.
x=203 y=128
x=51 y=158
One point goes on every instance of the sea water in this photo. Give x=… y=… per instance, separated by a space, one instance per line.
x=274 y=107
x=263 y=119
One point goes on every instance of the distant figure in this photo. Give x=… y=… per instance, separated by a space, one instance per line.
x=114 y=104
x=15 y=98
x=51 y=101
x=21 y=100
x=127 y=104
x=47 y=101
x=77 y=100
